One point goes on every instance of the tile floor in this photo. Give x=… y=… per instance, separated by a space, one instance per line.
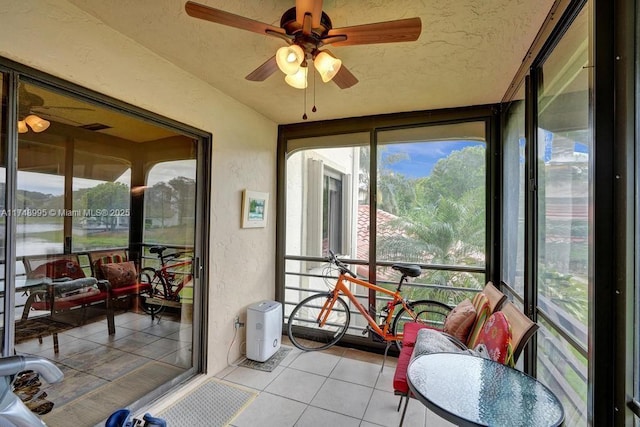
x=338 y=387
x=94 y=363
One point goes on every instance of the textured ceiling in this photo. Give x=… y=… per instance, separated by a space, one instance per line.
x=467 y=53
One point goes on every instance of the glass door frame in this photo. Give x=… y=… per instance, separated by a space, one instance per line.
x=489 y=114
x=14 y=73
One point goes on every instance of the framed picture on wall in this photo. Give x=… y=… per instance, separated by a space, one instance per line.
x=254 y=209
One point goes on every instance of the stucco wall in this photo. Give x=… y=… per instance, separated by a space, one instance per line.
x=59 y=39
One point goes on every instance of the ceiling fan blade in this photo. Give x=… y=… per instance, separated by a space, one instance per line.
x=265 y=70
x=218 y=16
x=401 y=30
x=312 y=7
x=344 y=79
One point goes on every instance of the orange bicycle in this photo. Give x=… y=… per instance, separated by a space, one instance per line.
x=166 y=282
x=321 y=320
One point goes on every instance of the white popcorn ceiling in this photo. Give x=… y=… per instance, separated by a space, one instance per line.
x=467 y=53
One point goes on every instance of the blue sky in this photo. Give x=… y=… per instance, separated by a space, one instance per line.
x=423 y=156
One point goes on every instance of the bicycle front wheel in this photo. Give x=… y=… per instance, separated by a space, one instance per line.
x=430 y=313
x=304 y=329
x=150 y=287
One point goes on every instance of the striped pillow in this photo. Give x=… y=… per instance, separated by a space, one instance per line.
x=108 y=259
x=481 y=304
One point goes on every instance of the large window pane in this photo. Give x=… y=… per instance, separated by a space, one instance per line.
x=86 y=223
x=564 y=162
x=431 y=205
x=326 y=209
x=514 y=191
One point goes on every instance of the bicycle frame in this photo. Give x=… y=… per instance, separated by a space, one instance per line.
x=341 y=287
x=164 y=273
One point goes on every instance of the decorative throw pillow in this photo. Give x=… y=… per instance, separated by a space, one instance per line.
x=496 y=337
x=58 y=269
x=460 y=320
x=120 y=273
x=107 y=259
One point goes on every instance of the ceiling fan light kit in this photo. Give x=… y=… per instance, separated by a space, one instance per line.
x=307 y=29
x=327 y=65
x=299 y=79
x=37 y=124
x=289 y=59
x=22 y=127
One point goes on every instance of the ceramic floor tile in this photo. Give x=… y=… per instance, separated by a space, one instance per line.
x=134 y=341
x=297 y=385
x=291 y=356
x=316 y=417
x=355 y=371
x=434 y=420
x=382 y=409
x=385 y=379
x=315 y=362
x=159 y=348
x=253 y=378
x=182 y=358
x=343 y=397
x=268 y=410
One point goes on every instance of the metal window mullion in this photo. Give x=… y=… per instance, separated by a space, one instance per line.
x=11 y=151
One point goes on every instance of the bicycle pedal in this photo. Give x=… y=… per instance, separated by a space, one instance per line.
x=366 y=330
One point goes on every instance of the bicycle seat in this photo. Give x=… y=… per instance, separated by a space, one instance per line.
x=157 y=249
x=410 y=270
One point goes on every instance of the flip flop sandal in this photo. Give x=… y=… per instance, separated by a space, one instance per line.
x=40 y=405
x=26 y=378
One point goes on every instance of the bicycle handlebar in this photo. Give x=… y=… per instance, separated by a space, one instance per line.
x=333 y=259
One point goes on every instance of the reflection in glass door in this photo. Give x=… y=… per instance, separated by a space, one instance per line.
x=89 y=223
x=564 y=168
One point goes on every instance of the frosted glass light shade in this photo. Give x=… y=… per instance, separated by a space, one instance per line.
x=289 y=59
x=22 y=127
x=298 y=80
x=327 y=65
x=37 y=124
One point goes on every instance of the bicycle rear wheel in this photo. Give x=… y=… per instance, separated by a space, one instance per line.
x=151 y=288
x=430 y=313
x=304 y=329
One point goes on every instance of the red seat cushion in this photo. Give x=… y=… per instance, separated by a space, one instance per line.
x=410 y=333
x=400 y=375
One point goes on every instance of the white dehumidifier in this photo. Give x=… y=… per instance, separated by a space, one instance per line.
x=264 y=330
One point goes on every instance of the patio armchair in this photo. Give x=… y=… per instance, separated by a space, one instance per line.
x=501 y=339
x=483 y=305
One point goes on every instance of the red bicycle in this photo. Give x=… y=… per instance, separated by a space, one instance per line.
x=166 y=282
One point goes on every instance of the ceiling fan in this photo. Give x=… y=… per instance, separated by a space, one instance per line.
x=307 y=29
x=31 y=106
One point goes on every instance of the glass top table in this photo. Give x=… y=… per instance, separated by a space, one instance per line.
x=470 y=391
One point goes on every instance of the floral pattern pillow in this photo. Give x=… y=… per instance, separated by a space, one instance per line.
x=120 y=274
x=496 y=337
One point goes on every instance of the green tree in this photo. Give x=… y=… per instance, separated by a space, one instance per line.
x=107 y=196
x=159 y=202
x=445 y=221
x=184 y=197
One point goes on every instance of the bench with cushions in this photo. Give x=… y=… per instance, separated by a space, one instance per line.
x=462 y=326
x=121 y=273
x=58 y=285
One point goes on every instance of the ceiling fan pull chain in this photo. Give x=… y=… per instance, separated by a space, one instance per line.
x=314 y=109
x=304 y=116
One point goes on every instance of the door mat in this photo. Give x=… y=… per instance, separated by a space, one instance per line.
x=211 y=404
x=270 y=364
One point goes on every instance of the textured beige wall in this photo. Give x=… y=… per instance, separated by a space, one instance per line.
x=59 y=39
